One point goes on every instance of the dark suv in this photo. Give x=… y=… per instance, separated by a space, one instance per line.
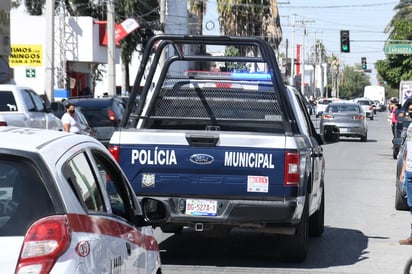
x=104 y=114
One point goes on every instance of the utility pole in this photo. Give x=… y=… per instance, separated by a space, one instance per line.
x=60 y=69
x=111 y=49
x=292 y=58
x=49 y=60
x=302 y=76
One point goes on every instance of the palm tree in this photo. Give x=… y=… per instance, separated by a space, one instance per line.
x=251 y=18
x=403 y=13
x=198 y=8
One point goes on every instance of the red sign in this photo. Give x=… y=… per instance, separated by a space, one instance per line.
x=121 y=30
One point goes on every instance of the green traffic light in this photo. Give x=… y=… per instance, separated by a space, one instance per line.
x=344 y=48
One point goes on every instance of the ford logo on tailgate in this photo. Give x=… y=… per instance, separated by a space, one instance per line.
x=202 y=159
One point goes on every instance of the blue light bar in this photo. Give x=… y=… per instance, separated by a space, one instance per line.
x=251 y=76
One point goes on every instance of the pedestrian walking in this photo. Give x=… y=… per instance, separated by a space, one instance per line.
x=394 y=118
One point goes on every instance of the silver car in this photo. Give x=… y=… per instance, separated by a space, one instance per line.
x=349 y=117
x=67 y=207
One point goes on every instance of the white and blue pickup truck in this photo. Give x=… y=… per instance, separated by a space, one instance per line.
x=23 y=107
x=224 y=148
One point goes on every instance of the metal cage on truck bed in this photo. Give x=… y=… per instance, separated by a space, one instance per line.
x=192 y=89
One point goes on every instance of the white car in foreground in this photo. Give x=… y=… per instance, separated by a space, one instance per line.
x=67 y=207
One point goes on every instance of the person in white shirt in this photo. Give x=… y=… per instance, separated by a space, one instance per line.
x=70 y=121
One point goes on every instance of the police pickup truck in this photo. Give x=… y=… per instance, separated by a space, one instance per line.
x=222 y=142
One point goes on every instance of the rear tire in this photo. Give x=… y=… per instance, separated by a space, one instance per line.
x=408 y=266
x=295 y=247
x=317 y=220
x=400 y=200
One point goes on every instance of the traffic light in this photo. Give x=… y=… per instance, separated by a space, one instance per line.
x=344 y=41
x=364 y=64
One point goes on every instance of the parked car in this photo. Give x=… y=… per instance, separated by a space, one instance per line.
x=403 y=121
x=349 y=117
x=400 y=193
x=367 y=106
x=104 y=114
x=22 y=107
x=67 y=207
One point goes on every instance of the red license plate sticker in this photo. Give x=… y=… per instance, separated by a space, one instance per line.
x=258 y=184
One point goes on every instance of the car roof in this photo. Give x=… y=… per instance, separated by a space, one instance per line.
x=33 y=139
x=92 y=102
x=343 y=103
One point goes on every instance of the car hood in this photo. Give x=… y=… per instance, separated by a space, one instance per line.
x=9 y=255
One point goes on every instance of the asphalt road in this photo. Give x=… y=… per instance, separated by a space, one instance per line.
x=362 y=226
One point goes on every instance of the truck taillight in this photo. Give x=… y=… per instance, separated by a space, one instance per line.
x=112 y=115
x=292 y=167
x=3 y=123
x=45 y=241
x=115 y=151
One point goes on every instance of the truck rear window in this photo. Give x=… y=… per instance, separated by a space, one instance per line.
x=216 y=105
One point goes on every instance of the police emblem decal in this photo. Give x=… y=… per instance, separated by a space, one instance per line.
x=148 y=180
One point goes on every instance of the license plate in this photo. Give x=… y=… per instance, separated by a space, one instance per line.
x=344 y=130
x=201 y=207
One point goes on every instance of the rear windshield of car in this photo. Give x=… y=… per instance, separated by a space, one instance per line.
x=324 y=102
x=101 y=112
x=364 y=102
x=23 y=197
x=7 y=101
x=343 y=108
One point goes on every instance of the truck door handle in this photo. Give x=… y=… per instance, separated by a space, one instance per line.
x=202 y=141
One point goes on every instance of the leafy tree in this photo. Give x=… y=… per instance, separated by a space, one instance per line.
x=352 y=82
x=396 y=67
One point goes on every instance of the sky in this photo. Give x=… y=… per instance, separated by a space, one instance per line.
x=323 y=19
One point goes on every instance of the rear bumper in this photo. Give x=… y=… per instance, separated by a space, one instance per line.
x=241 y=213
x=347 y=129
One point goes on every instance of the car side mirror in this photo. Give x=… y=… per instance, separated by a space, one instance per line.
x=330 y=134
